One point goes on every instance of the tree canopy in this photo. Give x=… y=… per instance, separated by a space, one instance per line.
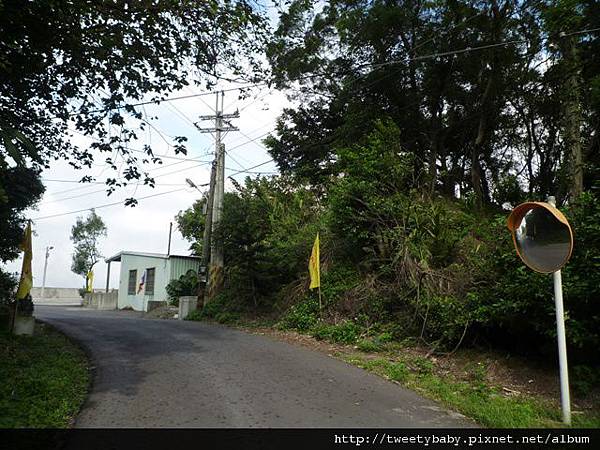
x=488 y=96
x=85 y=235
x=413 y=124
x=78 y=66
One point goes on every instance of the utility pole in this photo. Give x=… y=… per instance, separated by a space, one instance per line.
x=215 y=207
x=207 y=210
x=170 y=233
x=208 y=213
x=45 y=268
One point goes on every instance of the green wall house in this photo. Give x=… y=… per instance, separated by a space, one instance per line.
x=144 y=276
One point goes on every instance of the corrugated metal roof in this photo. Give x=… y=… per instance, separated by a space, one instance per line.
x=117 y=257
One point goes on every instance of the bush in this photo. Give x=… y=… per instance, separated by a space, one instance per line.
x=195 y=315
x=225 y=317
x=346 y=332
x=369 y=346
x=186 y=285
x=397 y=371
x=584 y=379
x=422 y=365
x=8 y=286
x=428 y=268
x=218 y=306
x=302 y=316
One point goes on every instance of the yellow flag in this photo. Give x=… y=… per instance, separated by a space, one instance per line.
x=26 y=281
x=90 y=281
x=314 y=265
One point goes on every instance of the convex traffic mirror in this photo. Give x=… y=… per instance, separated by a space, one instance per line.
x=542 y=236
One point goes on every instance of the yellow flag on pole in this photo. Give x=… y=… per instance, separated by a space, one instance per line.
x=26 y=281
x=314 y=265
x=89 y=281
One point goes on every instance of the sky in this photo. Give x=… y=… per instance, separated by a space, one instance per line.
x=145 y=228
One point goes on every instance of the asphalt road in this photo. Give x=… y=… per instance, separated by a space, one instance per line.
x=167 y=373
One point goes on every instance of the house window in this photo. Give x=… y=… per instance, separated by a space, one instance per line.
x=131 y=284
x=150 y=281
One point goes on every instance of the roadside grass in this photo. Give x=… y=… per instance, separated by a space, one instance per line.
x=475 y=398
x=44 y=379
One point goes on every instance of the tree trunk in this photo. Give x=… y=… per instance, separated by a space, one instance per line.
x=572 y=116
x=477 y=176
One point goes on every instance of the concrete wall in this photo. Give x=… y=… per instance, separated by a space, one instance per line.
x=54 y=292
x=102 y=300
x=56 y=296
x=139 y=302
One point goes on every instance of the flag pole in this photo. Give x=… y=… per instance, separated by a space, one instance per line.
x=320 y=304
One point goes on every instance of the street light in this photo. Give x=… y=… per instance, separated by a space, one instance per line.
x=194 y=185
x=191 y=184
x=45 y=268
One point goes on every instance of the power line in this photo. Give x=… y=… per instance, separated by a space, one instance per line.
x=181 y=97
x=205 y=163
x=590 y=30
x=250 y=168
x=265 y=83
x=251 y=140
x=180 y=158
x=105 y=205
x=96 y=192
x=196 y=159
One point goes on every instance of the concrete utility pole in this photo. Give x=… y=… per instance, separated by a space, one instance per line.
x=45 y=268
x=215 y=272
x=207 y=210
x=170 y=233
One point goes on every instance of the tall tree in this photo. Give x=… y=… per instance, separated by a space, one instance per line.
x=369 y=60
x=85 y=235
x=77 y=66
x=475 y=88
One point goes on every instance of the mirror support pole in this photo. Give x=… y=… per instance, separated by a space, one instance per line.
x=565 y=398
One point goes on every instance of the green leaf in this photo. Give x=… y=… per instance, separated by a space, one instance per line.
x=12 y=149
x=32 y=150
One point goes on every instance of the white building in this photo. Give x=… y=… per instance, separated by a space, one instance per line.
x=144 y=276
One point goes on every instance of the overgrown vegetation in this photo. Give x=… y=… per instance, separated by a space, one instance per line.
x=45 y=379
x=395 y=261
x=473 y=396
x=402 y=266
x=407 y=167
x=186 y=285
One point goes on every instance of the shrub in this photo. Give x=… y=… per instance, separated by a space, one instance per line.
x=369 y=346
x=384 y=338
x=195 y=315
x=422 y=365
x=8 y=285
x=584 y=379
x=218 y=306
x=397 y=371
x=346 y=332
x=186 y=285
x=225 y=317
x=302 y=316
